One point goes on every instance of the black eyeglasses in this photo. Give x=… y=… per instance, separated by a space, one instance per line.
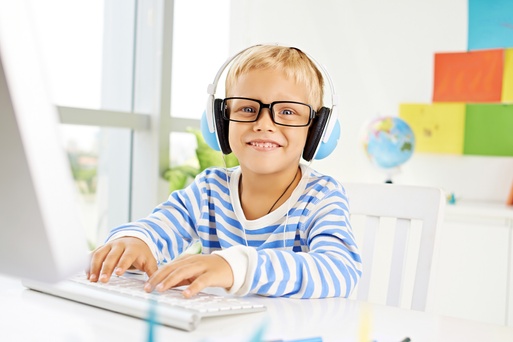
x=284 y=113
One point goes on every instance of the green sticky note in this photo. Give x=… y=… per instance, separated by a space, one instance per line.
x=489 y=130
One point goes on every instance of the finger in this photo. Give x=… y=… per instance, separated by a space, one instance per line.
x=157 y=277
x=169 y=272
x=184 y=274
x=198 y=285
x=111 y=260
x=124 y=263
x=150 y=266
x=97 y=258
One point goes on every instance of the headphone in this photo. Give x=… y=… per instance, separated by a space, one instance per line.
x=323 y=133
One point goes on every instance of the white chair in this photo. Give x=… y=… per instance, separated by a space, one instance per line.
x=404 y=210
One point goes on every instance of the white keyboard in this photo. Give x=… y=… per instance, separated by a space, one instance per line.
x=126 y=295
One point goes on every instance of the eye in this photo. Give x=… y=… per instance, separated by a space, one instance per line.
x=248 y=109
x=291 y=113
x=245 y=106
x=287 y=112
x=286 y=109
x=242 y=107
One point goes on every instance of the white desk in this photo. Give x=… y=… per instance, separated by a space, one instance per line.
x=26 y=315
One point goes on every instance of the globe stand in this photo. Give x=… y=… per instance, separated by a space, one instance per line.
x=390 y=173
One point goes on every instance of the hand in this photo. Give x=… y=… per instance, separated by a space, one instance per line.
x=119 y=255
x=197 y=271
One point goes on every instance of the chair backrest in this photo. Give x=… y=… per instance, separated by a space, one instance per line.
x=407 y=209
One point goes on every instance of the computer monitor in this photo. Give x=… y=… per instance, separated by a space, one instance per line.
x=41 y=236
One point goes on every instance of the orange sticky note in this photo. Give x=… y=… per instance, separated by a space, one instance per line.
x=474 y=76
x=438 y=127
x=507 y=80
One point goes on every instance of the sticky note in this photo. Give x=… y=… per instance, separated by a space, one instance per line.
x=438 y=127
x=489 y=130
x=490 y=24
x=507 y=79
x=474 y=76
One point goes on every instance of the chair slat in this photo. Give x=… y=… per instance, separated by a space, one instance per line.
x=405 y=203
x=367 y=254
x=396 y=282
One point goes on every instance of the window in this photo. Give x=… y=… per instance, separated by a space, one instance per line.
x=200 y=47
x=109 y=66
x=98 y=58
x=70 y=41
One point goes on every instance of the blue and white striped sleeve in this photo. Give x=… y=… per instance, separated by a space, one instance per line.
x=328 y=266
x=170 y=228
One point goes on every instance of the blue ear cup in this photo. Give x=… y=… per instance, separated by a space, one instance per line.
x=216 y=138
x=327 y=147
x=317 y=146
x=210 y=137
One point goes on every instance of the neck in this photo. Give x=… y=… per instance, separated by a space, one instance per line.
x=260 y=195
x=284 y=192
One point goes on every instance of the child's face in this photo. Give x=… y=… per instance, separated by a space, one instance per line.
x=262 y=146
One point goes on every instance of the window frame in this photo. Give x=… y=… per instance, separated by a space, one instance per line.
x=148 y=117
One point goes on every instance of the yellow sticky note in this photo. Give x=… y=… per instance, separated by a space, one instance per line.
x=438 y=127
x=507 y=78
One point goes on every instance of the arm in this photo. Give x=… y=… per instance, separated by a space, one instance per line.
x=158 y=238
x=168 y=230
x=328 y=265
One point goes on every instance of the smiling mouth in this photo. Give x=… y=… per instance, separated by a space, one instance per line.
x=264 y=145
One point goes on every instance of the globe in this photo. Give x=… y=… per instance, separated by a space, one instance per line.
x=388 y=142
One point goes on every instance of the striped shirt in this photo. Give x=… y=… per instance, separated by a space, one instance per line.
x=303 y=249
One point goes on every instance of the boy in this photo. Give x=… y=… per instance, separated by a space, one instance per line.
x=272 y=226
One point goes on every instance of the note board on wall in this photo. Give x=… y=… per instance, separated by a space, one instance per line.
x=474 y=76
x=438 y=127
x=507 y=82
x=472 y=109
x=489 y=130
x=490 y=24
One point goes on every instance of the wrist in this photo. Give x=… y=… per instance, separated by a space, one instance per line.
x=238 y=258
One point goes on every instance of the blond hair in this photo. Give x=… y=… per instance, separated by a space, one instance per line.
x=292 y=61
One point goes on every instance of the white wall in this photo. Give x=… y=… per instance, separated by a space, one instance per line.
x=379 y=54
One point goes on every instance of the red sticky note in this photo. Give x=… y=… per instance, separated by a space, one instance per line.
x=474 y=76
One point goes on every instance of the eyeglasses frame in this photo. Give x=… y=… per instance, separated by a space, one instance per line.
x=312 y=115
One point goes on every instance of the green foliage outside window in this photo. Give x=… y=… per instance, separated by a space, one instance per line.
x=180 y=176
x=84 y=173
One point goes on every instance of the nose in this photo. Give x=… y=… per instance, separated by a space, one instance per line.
x=265 y=121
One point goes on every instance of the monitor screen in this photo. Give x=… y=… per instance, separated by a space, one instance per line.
x=41 y=236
